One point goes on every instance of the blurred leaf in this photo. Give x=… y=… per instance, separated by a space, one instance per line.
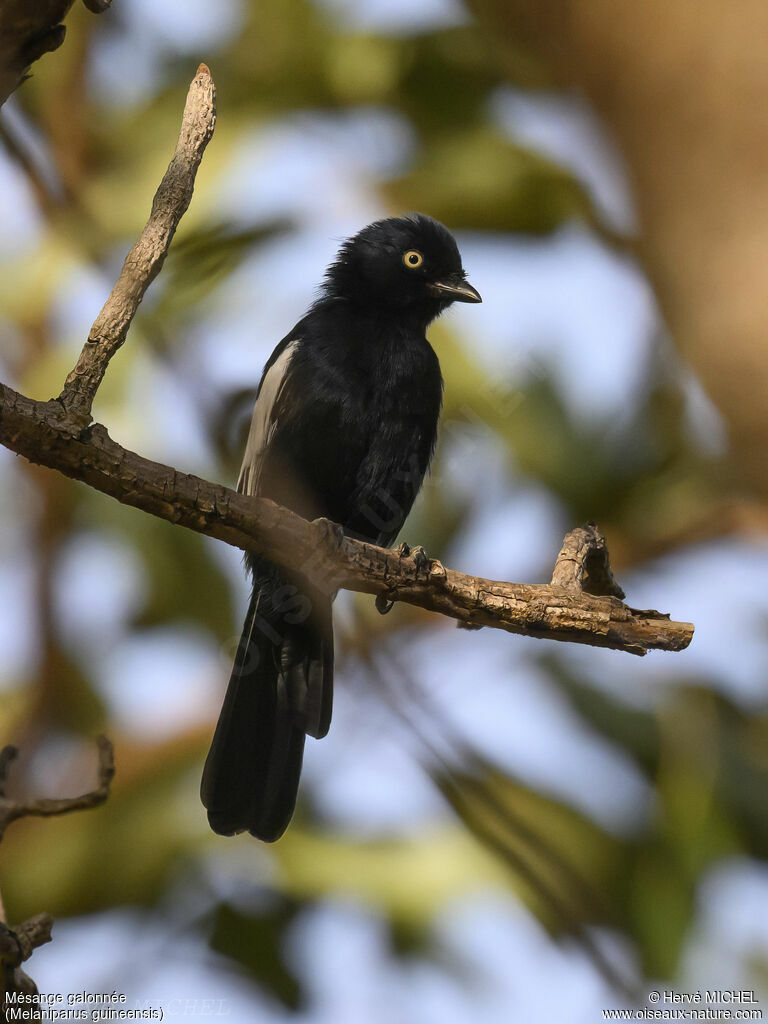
x=632 y=729
x=492 y=185
x=661 y=903
x=537 y=837
x=642 y=477
x=447 y=78
x=184 y=581
x=410 y=879
x=127 y=852
x=197 y=265
x=255 y=942
x=67 y=700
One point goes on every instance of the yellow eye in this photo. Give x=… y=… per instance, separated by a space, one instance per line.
x=413 y=259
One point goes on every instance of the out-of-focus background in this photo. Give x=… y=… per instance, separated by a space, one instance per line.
x=494 y=827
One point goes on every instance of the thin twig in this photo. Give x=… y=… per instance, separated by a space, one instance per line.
x=145 y=260
x=12 y=810
x=17 y=944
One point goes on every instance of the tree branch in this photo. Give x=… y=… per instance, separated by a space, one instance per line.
x=29 y=30
x=12 y=810
x=58 y=434
x=145 y=260
x=43 y=433
x=17 y=944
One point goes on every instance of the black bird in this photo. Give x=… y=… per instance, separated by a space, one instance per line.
x=344 y=427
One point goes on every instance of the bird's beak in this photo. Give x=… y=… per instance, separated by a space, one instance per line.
x=455 y=290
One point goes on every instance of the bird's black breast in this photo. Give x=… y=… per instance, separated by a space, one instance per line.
x=355 y=423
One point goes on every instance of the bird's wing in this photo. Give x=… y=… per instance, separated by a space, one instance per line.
x=264 y=421
x=389 y=478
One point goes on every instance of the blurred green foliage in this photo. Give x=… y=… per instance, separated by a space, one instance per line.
x=644 y=480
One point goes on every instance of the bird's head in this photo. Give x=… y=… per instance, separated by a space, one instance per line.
x=402 y=263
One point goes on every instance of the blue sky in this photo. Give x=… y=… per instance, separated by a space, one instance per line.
x=561 y=301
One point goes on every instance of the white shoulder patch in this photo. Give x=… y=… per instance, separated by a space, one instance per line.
x=263 y=422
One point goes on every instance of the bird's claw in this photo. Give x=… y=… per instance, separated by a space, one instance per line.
x=385 y=603
x=329 y=533
x=420 y=557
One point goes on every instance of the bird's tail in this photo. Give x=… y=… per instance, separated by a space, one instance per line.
x=280 y=690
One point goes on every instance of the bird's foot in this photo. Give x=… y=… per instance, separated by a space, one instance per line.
x=328 y=533
x=420 y=557
x=385 y=603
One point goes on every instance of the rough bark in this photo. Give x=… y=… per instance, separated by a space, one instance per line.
x=44 y=433
x=29 y=29
x=12 y=810
x=145 y=260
